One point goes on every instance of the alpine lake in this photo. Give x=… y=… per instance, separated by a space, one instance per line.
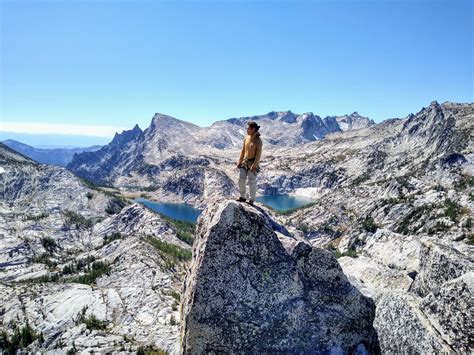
x=187 y=213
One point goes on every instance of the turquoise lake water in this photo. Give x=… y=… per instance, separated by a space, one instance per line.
x=284 y=202
x=179 y=211
x=185 y=212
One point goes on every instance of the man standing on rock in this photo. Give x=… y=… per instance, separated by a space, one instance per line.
x=249 y=162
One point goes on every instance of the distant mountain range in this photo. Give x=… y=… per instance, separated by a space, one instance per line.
x=153 y=149
x=53 y=156
x=54 y=140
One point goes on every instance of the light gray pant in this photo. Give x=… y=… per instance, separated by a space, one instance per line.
x=243 y=175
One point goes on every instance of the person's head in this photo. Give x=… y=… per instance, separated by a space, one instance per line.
x=252 y=127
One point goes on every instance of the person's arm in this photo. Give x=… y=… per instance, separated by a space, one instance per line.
x=242 y=152
x=258 y=153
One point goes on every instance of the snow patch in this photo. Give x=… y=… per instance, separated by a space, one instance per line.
x=311 y=192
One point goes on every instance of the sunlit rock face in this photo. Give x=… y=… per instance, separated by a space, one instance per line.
x=252 y=287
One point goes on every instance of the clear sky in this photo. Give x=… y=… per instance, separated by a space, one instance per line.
x=94 y=67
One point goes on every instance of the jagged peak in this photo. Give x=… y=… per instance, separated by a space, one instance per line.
x=309 y=117
x=134 y=129
x=288 y=117
x=159 y=115
x=126 y=135
x=163 y=121
x=160 y=118
x=353 y=116
x=433 y=106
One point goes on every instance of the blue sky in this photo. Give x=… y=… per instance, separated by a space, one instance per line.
x=100 y=66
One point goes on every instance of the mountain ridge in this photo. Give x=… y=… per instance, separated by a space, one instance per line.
x=120 y=165
x=54 y=156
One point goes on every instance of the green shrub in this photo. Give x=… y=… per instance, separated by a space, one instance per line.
x=304 y=228
x=72 y=351
x=73 y=219
x=438 y=227
x=68 y=269
x=171 y=254
x=388 y=201
x=119 y=199
x=110 y=210
x=340 y=158
x=369 y=225
x=92 y=270
x=35 y=217
x=469 y=223
x=117 y=204
x=91 y=321
x=150 y=188
x=174 y=294
x=98 y=269
x=411 y=217
x=464 y=182
x=110 y=238
x=470 y=239
x=44 y=259
x=327 y=228
x=185 y=237
x=21 y=338
x=351 y=253
x=174 y=251
x=78 y=265
x=150 y=350
x=184 y=229
x=49 y=244
x=452 y=209
x=360 y=179
x=89 y=184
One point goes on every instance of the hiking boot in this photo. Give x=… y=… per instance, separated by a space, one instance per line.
x=240 y=199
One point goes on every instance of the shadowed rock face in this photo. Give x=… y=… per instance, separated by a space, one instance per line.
x=251 y=287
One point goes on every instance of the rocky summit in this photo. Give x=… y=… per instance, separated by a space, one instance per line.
x=253 y=287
